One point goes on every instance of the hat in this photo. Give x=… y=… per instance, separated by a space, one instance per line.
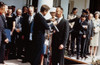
x=53 y=9
x=84 y=11
x=83 y=16
x=97 y=12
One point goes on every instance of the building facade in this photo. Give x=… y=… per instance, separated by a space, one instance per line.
x=67 y=5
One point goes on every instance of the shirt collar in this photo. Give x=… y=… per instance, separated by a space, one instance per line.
x=32 y=15
x=59 y=19
x=41 y=14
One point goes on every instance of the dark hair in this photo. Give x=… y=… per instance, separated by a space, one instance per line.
x=23 y=8
x=84 y=11
x=1 y=4
x=44 y=8
x=83 y=16
x=13 y=6
x=9 y=7
x=74 y=9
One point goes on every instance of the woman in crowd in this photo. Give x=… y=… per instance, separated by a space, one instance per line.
x=11 y=27
x=94 y=42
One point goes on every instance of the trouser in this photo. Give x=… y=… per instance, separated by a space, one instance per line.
x=12 y=48
x=68 y=42
x=2 y=52
x=57 y=57
x=78 y=44
x=73 y=37
x=81 y=46
x=87 y=45
x=19 y=44
x=27 y=50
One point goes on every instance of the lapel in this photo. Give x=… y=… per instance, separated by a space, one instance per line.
x=3 y=18
x=60 y=22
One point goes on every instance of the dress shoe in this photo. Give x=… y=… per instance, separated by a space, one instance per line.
x=77 y=57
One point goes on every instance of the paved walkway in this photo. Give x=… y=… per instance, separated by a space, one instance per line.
x=15 y=62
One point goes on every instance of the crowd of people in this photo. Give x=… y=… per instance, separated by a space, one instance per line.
x=84 y=34
x=27 y=35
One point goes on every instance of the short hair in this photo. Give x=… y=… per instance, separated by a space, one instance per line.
x=84 y=11
x=9 y=7
x=74 y=9
x=23 y=8
x=13 y=6
x=18 y=10
x=60 y=8
x=83 y=16
x=31 y=6
x=44 y=8
x=1 y=4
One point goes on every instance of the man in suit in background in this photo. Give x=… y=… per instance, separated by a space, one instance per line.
x=18 y=32
x=59 y=39
x=90 y=32
x=28 y=32
x=3 y=37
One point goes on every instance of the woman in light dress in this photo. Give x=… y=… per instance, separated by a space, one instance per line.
x=95 y=40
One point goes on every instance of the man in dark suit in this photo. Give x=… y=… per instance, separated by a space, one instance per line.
x=3 y=38
x=82 y=36
x=60 y=38
x=18 y=32
x=90 y=32
x=40 y=25
x=80 y=31
x=27 y=32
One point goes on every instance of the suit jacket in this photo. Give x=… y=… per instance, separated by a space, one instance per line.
x=4 y=20
x=61 y=37
x=78 y=26
x=26 y=26
x=40 y=25
x=18 y=24
x=90 y=29
x=82 y=29
x=2 y=30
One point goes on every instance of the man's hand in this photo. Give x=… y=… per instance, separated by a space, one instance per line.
x=6 y=40
x=11 y=33
x=84 y=36
x=86 y=27
x=18 y=30
x=91 y=38
x=52 y=20
x=61 y=47
x=55 y=23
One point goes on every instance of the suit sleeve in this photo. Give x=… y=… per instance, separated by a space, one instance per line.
x=44 y=22
x=4 y=34
x=2 y=29
x=92 y=31
x=66 y=33
x=73 y=20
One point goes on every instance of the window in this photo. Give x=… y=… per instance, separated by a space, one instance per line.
x=56 y=3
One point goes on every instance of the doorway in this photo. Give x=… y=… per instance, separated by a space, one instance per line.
x=94 y=5
x=35 y=4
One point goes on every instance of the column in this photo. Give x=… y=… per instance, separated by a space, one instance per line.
x=31 y=2
x=45 y=2
x=64 y=5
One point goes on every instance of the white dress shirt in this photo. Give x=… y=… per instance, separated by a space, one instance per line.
x=59 y=19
